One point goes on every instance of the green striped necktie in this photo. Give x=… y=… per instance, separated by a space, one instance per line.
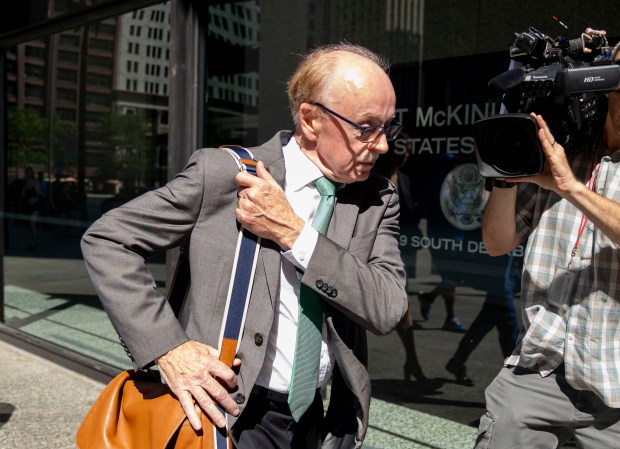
x=310 y=320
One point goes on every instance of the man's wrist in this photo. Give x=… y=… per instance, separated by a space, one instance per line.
x=287 y=241
x=501 y=184
x=491 y=183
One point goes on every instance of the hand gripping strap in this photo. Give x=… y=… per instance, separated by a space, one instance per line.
x=239 y=289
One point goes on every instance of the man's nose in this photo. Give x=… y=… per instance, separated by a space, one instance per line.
x=380 y=144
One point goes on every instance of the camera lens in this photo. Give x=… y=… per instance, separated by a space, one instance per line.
x=512 y=145
x=507 y=146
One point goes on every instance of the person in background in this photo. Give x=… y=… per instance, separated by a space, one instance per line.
x=563 y=378
x=32 y=201
x=444 y=261
x=391 y=166
x=498 y=310
x=447 y=290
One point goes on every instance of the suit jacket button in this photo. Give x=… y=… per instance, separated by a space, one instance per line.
x=258 y=339
x=240 y=398
x=319 y=284
x=334 y=293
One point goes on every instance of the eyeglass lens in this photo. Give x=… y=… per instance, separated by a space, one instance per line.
x=371 y=133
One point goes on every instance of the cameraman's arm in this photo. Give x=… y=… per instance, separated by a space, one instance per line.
x=499 y=229
x=602 y=212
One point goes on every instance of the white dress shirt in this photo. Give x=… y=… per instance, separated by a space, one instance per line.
x=304 y=199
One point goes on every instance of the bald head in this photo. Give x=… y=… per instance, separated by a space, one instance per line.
x=331 y=71
x=352 y=73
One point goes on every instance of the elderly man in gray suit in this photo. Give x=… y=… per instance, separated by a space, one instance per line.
x=343 y=106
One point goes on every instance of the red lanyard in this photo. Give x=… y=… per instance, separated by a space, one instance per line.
x=584 y=219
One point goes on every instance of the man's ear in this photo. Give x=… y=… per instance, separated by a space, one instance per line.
x=309 y=122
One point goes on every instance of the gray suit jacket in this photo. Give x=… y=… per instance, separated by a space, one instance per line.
x=359 y=257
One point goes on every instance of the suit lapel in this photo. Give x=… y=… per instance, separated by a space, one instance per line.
x=343 y=221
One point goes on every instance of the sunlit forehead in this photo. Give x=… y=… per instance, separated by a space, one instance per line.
x=354 y=77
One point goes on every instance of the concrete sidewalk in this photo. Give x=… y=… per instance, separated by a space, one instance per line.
x=41 y=403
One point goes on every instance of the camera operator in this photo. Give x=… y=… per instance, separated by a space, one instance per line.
x=563 y=378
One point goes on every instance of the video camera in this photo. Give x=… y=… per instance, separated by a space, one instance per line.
x=562 y=80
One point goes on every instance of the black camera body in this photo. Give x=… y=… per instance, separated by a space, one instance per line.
x=562 y=80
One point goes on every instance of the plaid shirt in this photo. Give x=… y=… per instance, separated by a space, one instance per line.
x=587 y=336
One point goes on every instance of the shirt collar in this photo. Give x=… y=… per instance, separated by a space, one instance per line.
x=300 y=171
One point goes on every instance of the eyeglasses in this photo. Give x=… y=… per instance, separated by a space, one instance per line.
x=369 y=133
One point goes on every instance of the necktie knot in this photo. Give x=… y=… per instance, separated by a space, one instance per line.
x=325 y=186
x=324 y=211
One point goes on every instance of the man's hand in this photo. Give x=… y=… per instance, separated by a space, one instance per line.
x=557 y=174
x=263 y=209
x=196 y=376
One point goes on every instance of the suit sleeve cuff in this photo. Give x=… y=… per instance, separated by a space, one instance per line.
x=303 y=247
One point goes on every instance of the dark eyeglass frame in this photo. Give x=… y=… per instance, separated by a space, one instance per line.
x=371 y=132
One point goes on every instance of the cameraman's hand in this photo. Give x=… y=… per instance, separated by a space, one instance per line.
x=557 y=174
x=604 y=213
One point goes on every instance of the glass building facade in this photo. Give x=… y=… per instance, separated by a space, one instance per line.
x=104 y=100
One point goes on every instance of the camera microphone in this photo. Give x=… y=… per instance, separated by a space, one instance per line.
x=506 y=81
x=574 y=46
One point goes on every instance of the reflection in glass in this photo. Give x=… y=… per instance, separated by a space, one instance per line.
x=232 y=87
x=87 y=131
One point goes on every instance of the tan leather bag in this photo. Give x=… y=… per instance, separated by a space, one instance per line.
x=136 y=411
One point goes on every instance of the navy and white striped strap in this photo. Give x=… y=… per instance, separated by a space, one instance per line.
x=239 y=290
